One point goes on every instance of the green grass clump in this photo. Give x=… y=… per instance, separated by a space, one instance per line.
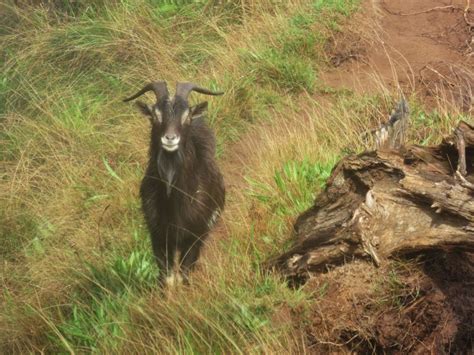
x=427 y=124
x=98 y=312
x=91 y=325
x=291 y=191
x=291 y=59
x=287 y=72
x=295 y=185
x=334 y=8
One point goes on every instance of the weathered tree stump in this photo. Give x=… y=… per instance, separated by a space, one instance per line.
x=389 y=202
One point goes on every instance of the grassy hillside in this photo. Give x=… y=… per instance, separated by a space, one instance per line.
x=76 y=269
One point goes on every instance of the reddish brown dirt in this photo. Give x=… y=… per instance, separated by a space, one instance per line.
x=423 y=46
x=422 y=307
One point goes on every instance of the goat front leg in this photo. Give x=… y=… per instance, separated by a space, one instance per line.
x=164 y=250
x=189 y=255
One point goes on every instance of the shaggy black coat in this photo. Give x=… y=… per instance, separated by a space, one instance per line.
x=181 y=219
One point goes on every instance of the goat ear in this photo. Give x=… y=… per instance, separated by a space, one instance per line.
x=198 y=111
x=144 y=108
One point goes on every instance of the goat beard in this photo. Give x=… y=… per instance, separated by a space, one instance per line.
x=169 y=164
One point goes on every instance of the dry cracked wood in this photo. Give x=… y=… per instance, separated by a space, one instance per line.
x=389 y=203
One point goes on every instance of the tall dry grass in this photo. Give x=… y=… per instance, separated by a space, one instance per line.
x=77 y=274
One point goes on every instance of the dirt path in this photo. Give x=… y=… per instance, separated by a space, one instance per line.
x=423 y=46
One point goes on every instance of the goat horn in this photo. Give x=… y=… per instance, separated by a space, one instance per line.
x=158 y=87
x=183 y=90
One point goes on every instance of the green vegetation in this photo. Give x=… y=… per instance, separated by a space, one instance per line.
x=76 y=270
x=295 y=186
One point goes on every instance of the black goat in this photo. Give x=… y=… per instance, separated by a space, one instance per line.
x=183 y=190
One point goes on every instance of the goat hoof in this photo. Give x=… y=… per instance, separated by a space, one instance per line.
x=179 y=279
x=175 y=279
x=170 y=280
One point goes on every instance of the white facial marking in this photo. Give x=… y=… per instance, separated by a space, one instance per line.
x=170 y=144
x=158 y=114
x=184 y=116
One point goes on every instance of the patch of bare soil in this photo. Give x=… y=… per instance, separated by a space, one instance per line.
x=423 y=46
x=407 y=307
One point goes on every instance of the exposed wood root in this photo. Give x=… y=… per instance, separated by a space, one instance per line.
x=387 y=203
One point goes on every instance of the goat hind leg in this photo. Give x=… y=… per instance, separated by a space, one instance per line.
x=189 y=255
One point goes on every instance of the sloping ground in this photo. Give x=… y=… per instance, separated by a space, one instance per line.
x=425 y=46
x=372 y=208
x=85 y=281
x=76 y=270
x=421 y=304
